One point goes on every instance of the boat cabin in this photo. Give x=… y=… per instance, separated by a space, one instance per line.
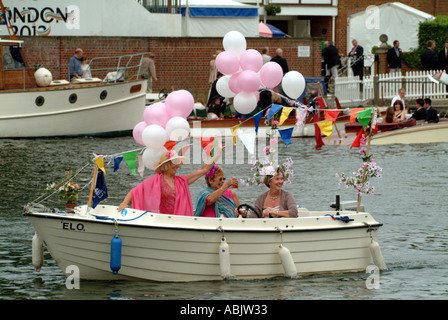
x=14 y=73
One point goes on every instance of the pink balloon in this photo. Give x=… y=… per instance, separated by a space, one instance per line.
x=251 y=60
x=233 y=83
x=271 y=74
x=179 y=104
x=227 y=62
x=249 y=81
x=156 y=114
x=137 y=132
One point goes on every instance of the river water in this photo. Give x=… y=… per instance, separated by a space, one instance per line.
x=411 y=201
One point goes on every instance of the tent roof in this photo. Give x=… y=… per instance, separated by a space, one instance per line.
x=401 y=6
x=218 y=8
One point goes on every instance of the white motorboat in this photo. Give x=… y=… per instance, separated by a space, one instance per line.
x=35 y=105
x=424 y=133
x=176 y=248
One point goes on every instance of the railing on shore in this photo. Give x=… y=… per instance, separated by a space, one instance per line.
x=351 y=90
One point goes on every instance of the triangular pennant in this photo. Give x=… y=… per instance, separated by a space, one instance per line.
x=100 y=163
x=170 y=145
x=129 y=158
x=354 y=114
x=234 y=131
x=317 y=133
x=286 y=135
x=331 y=114
x=365 y=116
x=141 y=165
x=326 y=127
x=184 y=150
x=207 y=144
x=273 y=110
x=285 y=114
x=257 y=119
x=214 y=147
x=357 y=142
x=117 y=161
x=248 y=141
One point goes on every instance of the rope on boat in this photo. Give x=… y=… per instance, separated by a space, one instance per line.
x=121 y=220
x=345 y=219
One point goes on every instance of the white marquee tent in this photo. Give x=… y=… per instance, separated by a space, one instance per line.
x=398 y=21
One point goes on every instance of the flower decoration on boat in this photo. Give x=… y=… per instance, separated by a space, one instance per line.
x=360 y=180
x=268 y=167
x=67 y=188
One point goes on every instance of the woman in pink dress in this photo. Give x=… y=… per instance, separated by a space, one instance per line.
x=165 y=192
x=217 y=200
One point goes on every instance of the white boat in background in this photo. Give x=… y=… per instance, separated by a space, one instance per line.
x=34 y=105
x=424 y=133
x=162 y=247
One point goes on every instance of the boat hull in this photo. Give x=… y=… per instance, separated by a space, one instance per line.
x=79 y=110
x=178 y=248
x=428 y=133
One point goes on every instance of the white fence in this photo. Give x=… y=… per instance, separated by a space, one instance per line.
x=351 y=91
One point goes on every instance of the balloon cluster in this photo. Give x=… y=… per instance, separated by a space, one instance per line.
x=244 y=74
x=163 y=122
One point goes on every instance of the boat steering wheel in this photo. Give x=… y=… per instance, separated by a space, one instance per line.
x=163 y=94
x=247 y=210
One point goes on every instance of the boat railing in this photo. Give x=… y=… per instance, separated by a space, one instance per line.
x=117 y=68
x=109 y=69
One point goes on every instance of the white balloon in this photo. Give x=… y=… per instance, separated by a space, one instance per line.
x=222 y=86
x=154 y=136
x=177 y=129
x=151 y=156
x=293 y=84
x=245 y=102
x=234 y=41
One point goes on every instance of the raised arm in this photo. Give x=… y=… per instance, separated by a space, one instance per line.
x=192 y=177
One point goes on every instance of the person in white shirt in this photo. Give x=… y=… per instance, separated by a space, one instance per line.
x=401 y=94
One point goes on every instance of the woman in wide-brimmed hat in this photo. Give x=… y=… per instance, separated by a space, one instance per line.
x=165 y=192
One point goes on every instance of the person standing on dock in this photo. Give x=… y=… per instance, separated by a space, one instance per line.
x=148 y=70
x=394 y=58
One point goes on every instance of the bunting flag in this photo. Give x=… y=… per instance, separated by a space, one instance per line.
x=169 y=145
x=100 y=190
x=248 y=141
x=184 y=150
x=357 y=142
x=207 y=144
x=320 y=102
x=354 y=114
x=286 y=135
x=285 y=114
x=100 y=163
x=326 y=127
x=141 y=165
x=214 y=147
x=129 y=158
x=365 y=116
x=234 y=131
x=331 y=114
x=117 y=161
x=317 y=133
x=257 y=119
x=273 y=110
